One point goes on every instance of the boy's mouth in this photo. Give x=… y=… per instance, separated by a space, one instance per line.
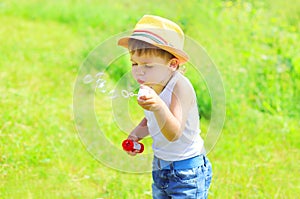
x=140 y=81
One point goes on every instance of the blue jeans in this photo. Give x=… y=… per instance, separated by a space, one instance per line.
x=182 y=183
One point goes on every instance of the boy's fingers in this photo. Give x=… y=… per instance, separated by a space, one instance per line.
x=132 y=137
x=132 y=153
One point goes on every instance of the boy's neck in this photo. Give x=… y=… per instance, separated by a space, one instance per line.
x=158 y=88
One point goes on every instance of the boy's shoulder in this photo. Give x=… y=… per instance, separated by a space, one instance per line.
x=184 y=91
x=184 y=87
x=184 y=83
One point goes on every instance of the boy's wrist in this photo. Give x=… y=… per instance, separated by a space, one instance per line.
x=160 y=108
x=133 y=137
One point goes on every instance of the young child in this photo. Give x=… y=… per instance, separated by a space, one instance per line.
x=180 y=166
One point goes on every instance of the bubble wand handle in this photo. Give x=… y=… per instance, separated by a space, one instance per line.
x=132 y=146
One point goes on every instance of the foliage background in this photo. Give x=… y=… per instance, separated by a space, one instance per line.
x=255 y=45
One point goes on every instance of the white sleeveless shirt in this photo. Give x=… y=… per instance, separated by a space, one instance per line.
x=190 y=143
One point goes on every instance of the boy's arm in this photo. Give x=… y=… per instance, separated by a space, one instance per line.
x=169 y=124
x=171 y=121
x=140 y=131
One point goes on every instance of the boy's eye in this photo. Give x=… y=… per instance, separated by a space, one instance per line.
x=148 y=66
x=134 y=64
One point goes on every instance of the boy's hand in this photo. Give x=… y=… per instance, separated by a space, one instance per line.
x=134 y=138
x=150 y=101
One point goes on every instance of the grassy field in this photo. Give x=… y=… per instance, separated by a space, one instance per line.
x=254 y=44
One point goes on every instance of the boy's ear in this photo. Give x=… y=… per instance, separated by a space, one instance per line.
x=174 y=63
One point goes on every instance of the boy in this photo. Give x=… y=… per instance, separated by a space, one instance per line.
x=180 y=166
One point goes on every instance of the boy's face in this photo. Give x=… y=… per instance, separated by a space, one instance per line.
x=152 y=71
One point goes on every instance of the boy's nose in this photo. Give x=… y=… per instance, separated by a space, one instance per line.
x=140 y=71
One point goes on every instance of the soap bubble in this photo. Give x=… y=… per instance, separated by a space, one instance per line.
x=99 y=75
x=88 y=79
x=100 y=84
x=131 y=94
x=112 y=94
x=125 y=93
x=128 y=94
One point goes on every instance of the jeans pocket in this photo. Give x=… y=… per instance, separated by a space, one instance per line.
x=187 y=175
x=207 y=173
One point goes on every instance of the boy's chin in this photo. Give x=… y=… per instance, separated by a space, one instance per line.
x=156 y=87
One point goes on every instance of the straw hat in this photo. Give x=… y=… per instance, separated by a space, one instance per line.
x=161 y=33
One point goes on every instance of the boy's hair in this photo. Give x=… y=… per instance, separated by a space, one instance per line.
x=144 y=48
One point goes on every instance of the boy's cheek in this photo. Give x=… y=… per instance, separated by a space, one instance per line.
x=134 y=74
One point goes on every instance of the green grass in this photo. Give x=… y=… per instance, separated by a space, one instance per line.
x=43 y=43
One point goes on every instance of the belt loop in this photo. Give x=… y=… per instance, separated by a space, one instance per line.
x=158 y=163
x=172 y=165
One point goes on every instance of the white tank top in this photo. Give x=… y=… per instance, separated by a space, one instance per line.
x=190 y=143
